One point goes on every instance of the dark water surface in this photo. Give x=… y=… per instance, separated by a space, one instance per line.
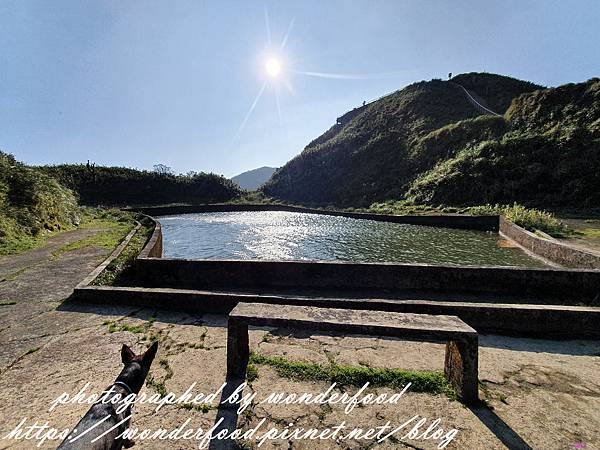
x=278 y=235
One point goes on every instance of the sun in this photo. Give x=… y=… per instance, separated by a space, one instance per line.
x=273 y=67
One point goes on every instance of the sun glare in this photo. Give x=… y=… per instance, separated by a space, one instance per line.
x=273 y=67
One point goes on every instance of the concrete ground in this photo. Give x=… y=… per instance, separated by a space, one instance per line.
x=589 y=234
x=539 y=394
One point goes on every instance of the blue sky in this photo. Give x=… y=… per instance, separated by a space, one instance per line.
x=137 y=83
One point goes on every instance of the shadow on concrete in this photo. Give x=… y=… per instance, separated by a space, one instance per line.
x=227 y=417
x=573 y=347
x=499 y=428
x=144 y=313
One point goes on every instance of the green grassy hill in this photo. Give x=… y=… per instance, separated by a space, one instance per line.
x=376 y=152
x=548 y=155
x=31 y=202
x=120 y=186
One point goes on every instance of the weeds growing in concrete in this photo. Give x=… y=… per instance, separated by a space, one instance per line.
x=431 y=382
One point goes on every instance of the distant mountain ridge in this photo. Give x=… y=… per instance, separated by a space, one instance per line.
x=253 y=179
x=428 y=143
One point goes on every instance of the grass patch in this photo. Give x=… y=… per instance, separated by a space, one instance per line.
x=202 y=407
x=529 y=218
x=159 y=386
x=592 y=233
x=119 y=271
x=7 y=302
x=31 y=350
x=114 y=225
x=431 y=382
x=113 y=326
x=251 y=373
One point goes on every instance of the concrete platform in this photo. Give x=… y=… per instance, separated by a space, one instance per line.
x=462 y=349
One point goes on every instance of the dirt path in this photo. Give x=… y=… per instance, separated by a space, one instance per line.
x=541 y=394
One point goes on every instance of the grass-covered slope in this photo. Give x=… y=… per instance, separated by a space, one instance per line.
x=120 y=186
x=498 y=91
x=549 y=156
x=375 y=152
x=31 y=205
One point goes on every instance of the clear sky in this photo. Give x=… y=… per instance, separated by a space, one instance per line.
x=137 y=83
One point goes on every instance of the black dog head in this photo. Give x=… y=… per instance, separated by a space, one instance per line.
x=136 y=366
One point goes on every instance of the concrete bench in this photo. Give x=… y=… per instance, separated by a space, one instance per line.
x=461 y=362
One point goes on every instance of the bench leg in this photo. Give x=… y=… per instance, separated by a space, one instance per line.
x=238 y=350
x=461 y=368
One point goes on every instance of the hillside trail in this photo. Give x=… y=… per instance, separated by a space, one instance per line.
x=478 y=102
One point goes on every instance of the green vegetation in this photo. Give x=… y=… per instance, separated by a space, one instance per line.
x=593 y=233
x=202 y=407
x=36 y=202
x=402 y=207
x=120 y=186
x=549 y=157
x=251 y=373
x=426 y=144
x=432 y=382
x=375 y=152
x=31 y=350
x=7 y=302
x=529 y=218
x=33 y=205
x=254 y=197
x=497 y=90
x=114 y=326
x=159 y=385
x=120 y=271
x=114 y=226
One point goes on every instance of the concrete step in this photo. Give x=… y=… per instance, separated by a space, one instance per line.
x=520 y=319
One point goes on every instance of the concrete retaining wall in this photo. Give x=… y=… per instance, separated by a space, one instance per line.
x=522 y=320
x=154 y=246
x=554 y=251
x=582 y=285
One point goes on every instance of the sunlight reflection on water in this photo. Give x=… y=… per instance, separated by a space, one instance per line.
x=278 y=235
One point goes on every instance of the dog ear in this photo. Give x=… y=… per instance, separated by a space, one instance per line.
x=127 y=354
x=150 y=354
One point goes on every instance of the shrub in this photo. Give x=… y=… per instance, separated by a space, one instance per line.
x=528 y=218
x=31 y=204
